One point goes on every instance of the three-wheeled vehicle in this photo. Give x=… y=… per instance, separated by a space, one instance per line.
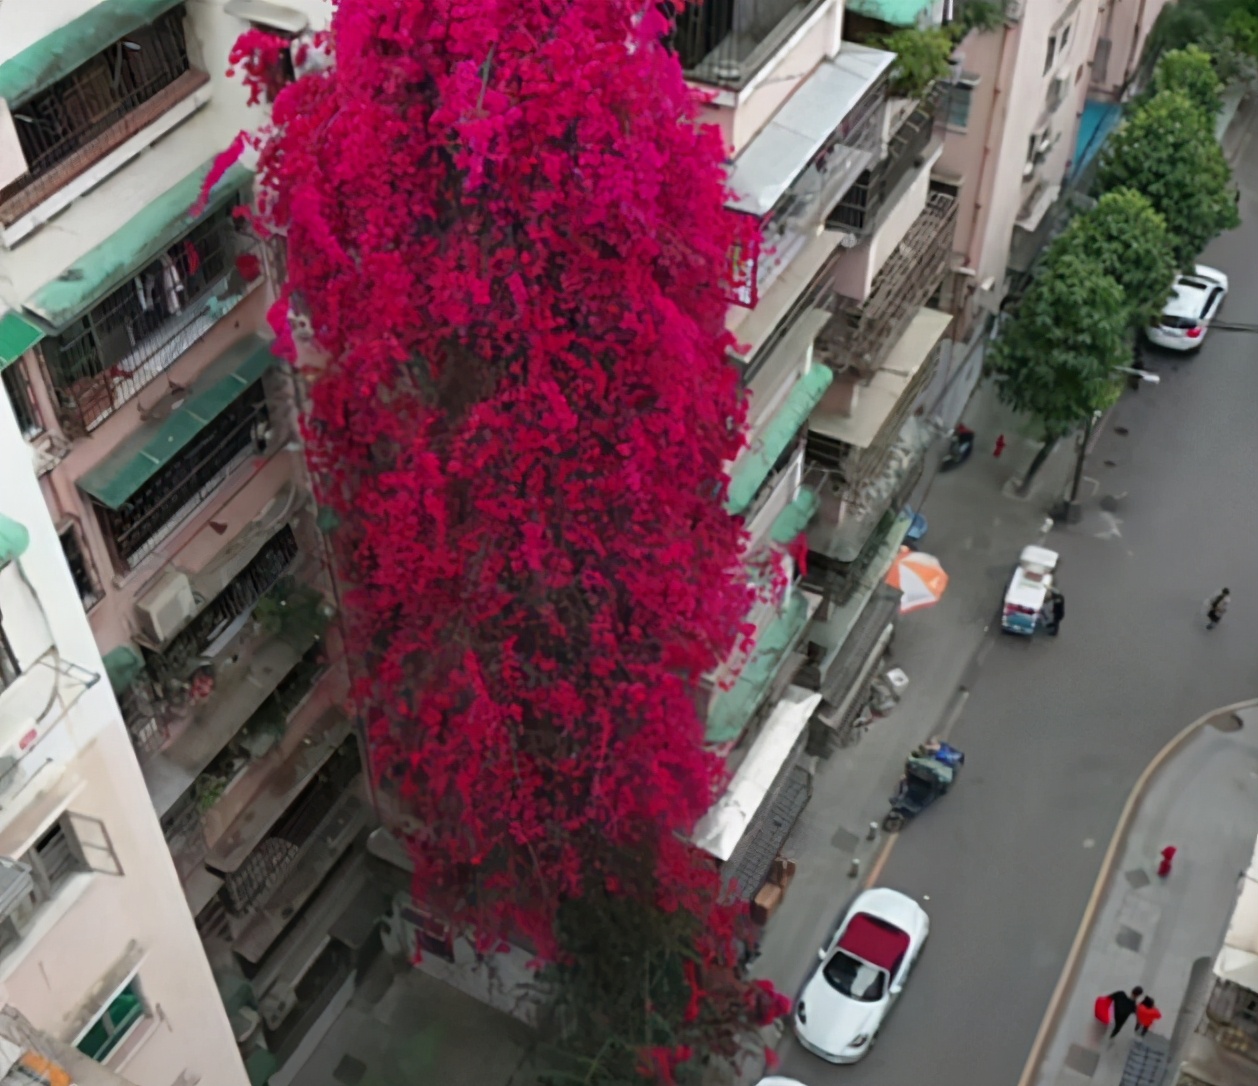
x=1028 y=588
x=928 y=774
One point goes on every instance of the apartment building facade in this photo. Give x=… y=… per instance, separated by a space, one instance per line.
x=1122 y=30
x=165 y=442
x=99 y=956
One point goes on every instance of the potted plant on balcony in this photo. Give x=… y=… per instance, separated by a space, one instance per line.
x=293 y=612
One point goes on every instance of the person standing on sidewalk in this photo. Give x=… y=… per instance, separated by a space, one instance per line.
x=1217 y=608
x=1056 y=611
x=1124 y=1006
x=1147 y=1015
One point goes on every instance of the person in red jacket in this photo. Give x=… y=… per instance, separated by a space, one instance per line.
x=1146 y=1015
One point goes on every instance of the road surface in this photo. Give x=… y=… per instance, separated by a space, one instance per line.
x=1057 y=731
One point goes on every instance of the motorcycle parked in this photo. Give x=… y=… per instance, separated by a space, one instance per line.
x=959 y=448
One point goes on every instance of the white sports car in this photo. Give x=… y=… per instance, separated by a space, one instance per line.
x=862 y=972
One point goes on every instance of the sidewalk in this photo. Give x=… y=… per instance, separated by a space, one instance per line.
x=1162 y=934
x=976 y=528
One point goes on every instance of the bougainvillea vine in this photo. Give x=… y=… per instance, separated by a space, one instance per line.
x=506 y=246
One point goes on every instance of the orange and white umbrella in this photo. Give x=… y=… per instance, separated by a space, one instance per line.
x=919 y=577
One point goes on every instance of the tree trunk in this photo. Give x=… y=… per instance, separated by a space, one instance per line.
x=1024 y=487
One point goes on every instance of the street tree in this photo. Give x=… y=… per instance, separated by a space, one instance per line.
x=1128 y=241
x=1055 y=358
x=1190 y=70
x=507 y=259
x=1166 y=150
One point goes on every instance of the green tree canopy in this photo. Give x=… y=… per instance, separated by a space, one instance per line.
x=921 y=59
x=1190 y=70
x=1166 y=151
x=1055 y=358
x=1129 y=242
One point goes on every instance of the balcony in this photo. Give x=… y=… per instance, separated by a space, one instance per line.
x=226 y=705
x=860 y=210
x=148 y=485
x=859 y=336
x=95 y=102
x=36 y=1058
x=804 y=160
x=105 y=357
x=723 y=43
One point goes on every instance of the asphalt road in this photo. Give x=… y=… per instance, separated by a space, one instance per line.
x=1057 y=731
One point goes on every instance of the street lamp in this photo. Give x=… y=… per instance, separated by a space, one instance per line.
x=1072 y=510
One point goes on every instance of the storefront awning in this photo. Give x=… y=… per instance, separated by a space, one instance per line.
x=146 y=452
x=725 y=823
x=17 y=335
x=55 y=55
x=131 y=246
x=754 y=464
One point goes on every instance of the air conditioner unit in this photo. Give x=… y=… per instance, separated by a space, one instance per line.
x=166 y=608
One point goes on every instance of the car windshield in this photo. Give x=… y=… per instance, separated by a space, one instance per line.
x=855 y=978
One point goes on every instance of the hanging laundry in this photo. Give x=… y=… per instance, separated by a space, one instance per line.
x=172 y=285
x=192 y=259
x=142 y=295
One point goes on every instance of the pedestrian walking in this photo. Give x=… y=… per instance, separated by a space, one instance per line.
x=1168 y=858
x=1124 y=1007
x=1147 y=1015
x=1056 y=611
x=1217 y=608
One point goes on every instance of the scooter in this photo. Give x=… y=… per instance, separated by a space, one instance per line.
x=959 y=448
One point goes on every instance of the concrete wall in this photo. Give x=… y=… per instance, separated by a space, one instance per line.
x=855 y=274
x=740 y=115
x=68 y=965
x=1125 y=24
x=1009 y=105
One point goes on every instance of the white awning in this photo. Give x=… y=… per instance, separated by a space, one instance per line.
x=264 y=13
x=1238 y=960
x=725 y=823
x=876 y=401
x=786 y=145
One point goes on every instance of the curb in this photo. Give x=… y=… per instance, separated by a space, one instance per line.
x=1070 y=971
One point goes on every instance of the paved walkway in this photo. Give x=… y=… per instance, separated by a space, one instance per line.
x=1162 y=934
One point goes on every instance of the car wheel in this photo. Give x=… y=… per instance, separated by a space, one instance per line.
x=893 y=822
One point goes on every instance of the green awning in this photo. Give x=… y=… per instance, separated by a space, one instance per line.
x=732 y=708
x=57 y=54
x=123 y=665
x=795 y=517
x=16 y=336
x=14 y=539
x=130 y=247
x=753 y=466
x=895 y=12
x=145 y=453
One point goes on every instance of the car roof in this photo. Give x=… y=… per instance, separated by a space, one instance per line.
x=1189 y=293
x=875 y=940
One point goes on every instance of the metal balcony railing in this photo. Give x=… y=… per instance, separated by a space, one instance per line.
x=860 y=210
x=153 y=512
x=860 y=334
x=138 y=331
x=725 y=42
x=242 y=593
x=64 y=129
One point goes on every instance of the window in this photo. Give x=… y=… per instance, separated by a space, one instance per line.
x=1052 y=52
x=115 y=1022
x=138 y=331
x=1032 y=144
x=18 y=389
x=1063 y=38
x=959 y=97
x=82 y=117
x=62 y=852
x=80 y=568
x=153 y=511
